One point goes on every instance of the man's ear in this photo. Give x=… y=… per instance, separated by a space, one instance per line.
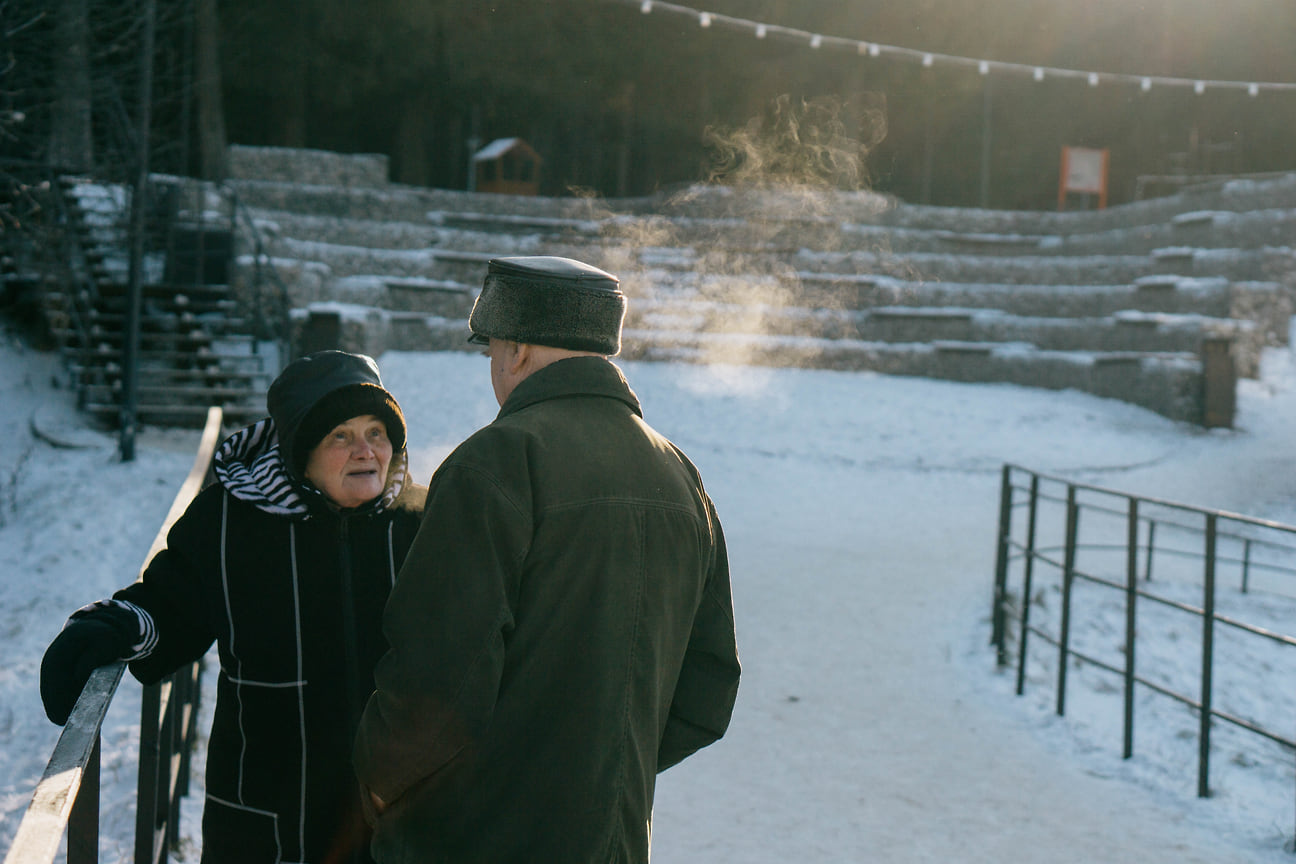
x=521 y=355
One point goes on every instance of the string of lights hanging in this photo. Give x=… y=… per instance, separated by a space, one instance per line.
x=818 y=41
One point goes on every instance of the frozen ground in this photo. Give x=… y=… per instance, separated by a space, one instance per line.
x=860 y=511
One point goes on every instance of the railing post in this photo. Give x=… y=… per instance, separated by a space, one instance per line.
x=1246 y=565
x=192 y=684
x=146 y=794
x=1131 y=595
x=168 y=803
x=998 y=613
x=1208 y=645
x=1147 y=571
x=1068 y=578
x=1027 y=582
x=83 y=820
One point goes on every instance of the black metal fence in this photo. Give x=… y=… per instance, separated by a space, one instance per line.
x=67 y=796
x=1142 y=553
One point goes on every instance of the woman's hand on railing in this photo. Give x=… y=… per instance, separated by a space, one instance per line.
x=86 y=642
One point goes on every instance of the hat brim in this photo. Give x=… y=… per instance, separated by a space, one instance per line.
x=478 y=339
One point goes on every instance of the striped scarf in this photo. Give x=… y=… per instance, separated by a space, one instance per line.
x=250 y=467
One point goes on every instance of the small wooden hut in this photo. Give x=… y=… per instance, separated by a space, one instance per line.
x=509 y=166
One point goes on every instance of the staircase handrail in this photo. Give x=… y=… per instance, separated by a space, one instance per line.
x=67 y=796
x=263 y=267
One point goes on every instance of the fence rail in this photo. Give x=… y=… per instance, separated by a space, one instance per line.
x=1120 y=536
x=67 y=795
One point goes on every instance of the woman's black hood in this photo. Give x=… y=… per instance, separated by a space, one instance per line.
x=315 y=393
x=264 y=464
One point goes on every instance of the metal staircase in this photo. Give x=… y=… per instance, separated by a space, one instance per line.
x=197 y=347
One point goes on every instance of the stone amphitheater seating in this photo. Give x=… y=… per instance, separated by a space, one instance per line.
x=1161 y=302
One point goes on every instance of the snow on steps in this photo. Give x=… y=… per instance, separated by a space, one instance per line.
x=1158 y=276
x=1125 y=331
x=265 y=174
x=1168 y=382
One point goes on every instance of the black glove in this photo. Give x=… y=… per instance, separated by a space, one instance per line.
x=91 y=639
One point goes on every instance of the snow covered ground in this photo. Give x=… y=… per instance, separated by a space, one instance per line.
x=860 y=511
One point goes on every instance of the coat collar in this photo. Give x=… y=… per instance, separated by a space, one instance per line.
x=573 y=376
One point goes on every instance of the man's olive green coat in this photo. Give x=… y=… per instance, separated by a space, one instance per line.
x=561 y=631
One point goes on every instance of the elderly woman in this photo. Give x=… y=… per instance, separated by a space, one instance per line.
x=286 y=563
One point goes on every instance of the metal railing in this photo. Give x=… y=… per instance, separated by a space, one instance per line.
x=271 y=313
x=1198 y=553
x=67 y=796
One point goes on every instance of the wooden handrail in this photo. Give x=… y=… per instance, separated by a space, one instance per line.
x=67 y=796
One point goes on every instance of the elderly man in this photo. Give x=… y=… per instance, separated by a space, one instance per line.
x=562 y=629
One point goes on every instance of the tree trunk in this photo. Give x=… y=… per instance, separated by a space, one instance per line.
x=412 y=147
x=207 y=85
x=71 y=142
x=626 y=108
x=288 y=101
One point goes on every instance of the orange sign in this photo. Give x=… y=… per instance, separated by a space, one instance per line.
x=1083 y=170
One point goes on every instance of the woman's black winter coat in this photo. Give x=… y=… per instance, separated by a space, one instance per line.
x=294 y=603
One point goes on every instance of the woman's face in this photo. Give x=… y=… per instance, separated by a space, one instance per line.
x=350 y=464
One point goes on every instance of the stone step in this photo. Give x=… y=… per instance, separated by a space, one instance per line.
x=300 y=165
x=484 y=230
x=217 y=324
x=1259 y=264
x=1168 y=383
x=167 y=291
x=178 y=414
x=176 y=304
x=1269 y=304
x=1237 y=264
x=389 y=233
x=354 y=274
x=185 y=340
x=391 y=201
x=105 y=355
x=398 y=203
x=353 y=260
x=1201 y=229
x=1163 y=379
x=413 y=203
x=209 y=373
x=507 y=223
x=373 y=330
x=444 y=297
x=1123 y=331
x=864 y=208
x=1237 y=196
x=209 y=394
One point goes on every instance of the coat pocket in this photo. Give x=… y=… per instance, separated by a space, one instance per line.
x=235 y=833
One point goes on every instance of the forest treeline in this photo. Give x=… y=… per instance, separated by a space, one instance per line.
x=619 y=102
